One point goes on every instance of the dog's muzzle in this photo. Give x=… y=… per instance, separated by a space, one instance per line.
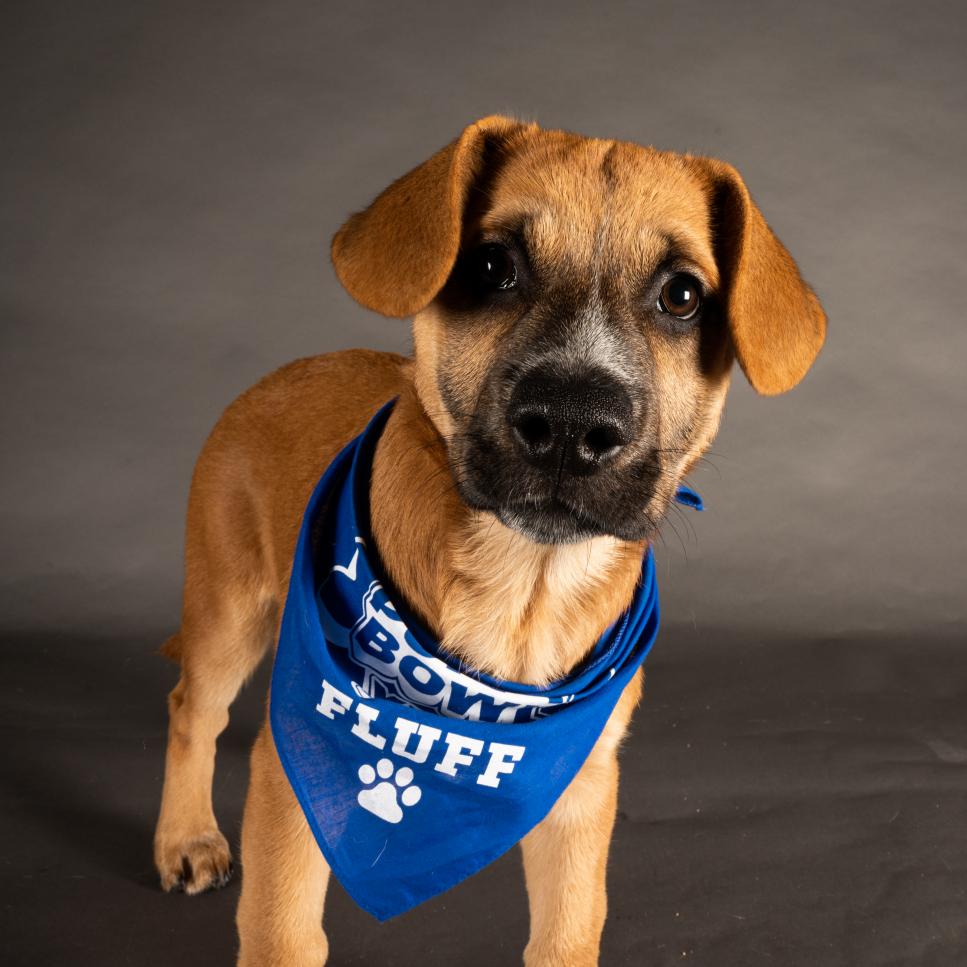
x=569 y=425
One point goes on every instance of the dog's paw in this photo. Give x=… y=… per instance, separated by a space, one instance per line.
x=383 y=799
x=194 y=865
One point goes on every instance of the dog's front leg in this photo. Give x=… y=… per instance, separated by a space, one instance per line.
x=284 y=875
x=565 y=860
x=566 y=856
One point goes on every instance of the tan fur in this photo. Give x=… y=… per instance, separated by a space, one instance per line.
x=395 y=256
x=501 y=603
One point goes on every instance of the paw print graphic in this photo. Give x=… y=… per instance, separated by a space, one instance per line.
x=384 y=798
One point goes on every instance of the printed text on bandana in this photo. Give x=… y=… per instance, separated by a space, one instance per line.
x=389 y=666
x=448 y=752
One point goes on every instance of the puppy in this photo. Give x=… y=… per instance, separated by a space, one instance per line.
x=577 y=306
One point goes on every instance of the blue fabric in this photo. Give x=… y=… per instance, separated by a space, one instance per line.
x=690 y=498
x=413 y=771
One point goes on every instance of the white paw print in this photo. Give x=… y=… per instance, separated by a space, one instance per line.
x=384 y=799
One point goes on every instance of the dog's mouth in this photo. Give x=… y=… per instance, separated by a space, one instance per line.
x=625 y=500
x=561 y=512
x=550 y=521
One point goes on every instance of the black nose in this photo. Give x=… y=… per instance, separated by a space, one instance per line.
x=571 y=424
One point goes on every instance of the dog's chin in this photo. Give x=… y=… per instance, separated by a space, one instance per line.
x=550 y=523
x=553 y=521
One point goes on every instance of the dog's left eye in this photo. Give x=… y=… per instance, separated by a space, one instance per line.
x=495 y=265
x=680 y=297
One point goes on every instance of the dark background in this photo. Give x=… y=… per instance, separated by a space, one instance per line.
x=795 y=791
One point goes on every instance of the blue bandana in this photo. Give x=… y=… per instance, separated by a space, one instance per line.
x=414 y=771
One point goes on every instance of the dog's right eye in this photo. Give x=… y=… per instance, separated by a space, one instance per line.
x=680 y=297
x=495 y=266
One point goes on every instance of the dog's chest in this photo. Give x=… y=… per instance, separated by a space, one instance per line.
x=525 y=612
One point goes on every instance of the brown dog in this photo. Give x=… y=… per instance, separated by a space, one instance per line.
x=577 y=304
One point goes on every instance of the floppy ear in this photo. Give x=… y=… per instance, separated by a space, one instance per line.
x=776 y=321
x=395 y=256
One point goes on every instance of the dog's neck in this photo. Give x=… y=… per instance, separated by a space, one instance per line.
x=501 y=603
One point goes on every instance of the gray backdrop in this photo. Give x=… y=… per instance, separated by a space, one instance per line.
x=172 y=174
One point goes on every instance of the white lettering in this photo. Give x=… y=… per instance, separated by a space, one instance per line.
x=456 y=755
x=405 y=730
x=503 y=760
x=365 y=716
x=350 y=571
x=333 y=702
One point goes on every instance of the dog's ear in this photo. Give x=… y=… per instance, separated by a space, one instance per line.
x=776 y=321
x=395 y=256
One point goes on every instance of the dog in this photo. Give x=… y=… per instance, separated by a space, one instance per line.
x=577 y=306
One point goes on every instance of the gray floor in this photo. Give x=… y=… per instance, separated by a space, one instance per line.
x=796 y=788
x=797 y=802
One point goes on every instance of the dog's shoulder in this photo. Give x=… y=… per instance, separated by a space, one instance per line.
x=319 y=398
x=341 y=381
x=275 y=440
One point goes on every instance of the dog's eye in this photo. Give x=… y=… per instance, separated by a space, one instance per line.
x=495 y=265
x=680 y=297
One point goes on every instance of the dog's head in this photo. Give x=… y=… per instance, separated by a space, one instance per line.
x=578 y=304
